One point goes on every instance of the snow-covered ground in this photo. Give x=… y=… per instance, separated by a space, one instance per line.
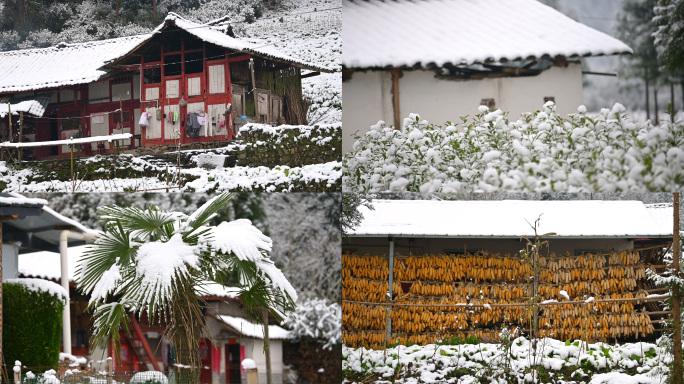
x=554 y=362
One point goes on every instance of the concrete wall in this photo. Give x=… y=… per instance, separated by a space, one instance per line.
x=404 y=246
x=367 y=96
x=10 y=261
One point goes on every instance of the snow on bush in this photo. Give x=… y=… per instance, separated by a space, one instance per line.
x=149 y=377
x=561 y=362
x=316 y=319
x=540 y=152
x=41 y=285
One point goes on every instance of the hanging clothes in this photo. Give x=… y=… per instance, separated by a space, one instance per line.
x=175 y=116
x=144 y=122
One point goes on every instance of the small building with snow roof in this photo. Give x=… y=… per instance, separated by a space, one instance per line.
x=194 y=83
x=234 y=337
x=444 y=58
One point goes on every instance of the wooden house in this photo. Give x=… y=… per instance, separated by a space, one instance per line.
x=195 y=84
x=444 y=58
x=476 y=253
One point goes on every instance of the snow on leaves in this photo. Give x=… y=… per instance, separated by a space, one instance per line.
x=540 y=152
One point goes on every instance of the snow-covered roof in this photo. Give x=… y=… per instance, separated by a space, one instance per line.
x=215 y=36
x=34 y=104
x=46 y=265
x=509 y=219
x=14 y=204
x=48 y=225
x=61 y=65
x=248 y=329
x=662 y=214
x=424 y=32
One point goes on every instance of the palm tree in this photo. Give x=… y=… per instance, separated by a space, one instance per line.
x=155 y=262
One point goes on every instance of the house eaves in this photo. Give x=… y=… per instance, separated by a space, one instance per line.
x=428 y=34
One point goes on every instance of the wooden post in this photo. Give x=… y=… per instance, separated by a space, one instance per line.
x=110 y=371
x=252 y=376
x=254 y=93
x=21 y=134
x=396 y=73
x=3 y=374
x=267 y=348
x=17 y=376
x=676 y=297
x=388 y=325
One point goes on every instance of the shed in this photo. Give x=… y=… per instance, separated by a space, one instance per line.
x=444 y=58
x=474 y=258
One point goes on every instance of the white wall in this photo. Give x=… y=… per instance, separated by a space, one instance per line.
x=254 y=349
x=367 y=96
x=10 y=261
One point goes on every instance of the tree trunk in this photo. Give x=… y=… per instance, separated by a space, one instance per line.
x=117 y=9
x=648 y=110
x=655 y=100
x=186 y=330
x=672 y=98
x=154 y=11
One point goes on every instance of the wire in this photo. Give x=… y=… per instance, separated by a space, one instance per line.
x=77 y=117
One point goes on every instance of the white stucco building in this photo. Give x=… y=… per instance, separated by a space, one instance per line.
x=444 y=58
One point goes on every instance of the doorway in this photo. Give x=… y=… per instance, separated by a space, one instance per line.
x=233 y=364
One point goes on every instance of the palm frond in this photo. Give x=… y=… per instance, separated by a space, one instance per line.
x=206 y=212
x=114 y=247
x=109 y=319
x=142 y=222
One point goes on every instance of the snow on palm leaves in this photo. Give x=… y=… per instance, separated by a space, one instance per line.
x=149 y=258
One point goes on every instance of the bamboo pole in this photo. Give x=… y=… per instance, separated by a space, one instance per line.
x=676 y=297
x=467 y=306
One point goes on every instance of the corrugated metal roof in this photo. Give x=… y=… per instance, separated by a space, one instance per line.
x=510 y=219
x=437 y=32
x=34 y=105
x=63 y=64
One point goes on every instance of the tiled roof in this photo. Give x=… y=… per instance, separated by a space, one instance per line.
x=82 y=63
x=34 y=104
x=428 y=33
x=63 y=64
x=211 y=35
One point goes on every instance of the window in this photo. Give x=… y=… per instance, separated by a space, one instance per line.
x=172 y=65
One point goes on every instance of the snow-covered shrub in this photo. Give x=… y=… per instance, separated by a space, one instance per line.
x=149 y=377
x=317 y=329
x=540 y=152
x=318 y=320
x=32 y=321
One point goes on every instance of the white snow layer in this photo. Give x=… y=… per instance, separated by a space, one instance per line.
x=248 y=364
x=249 y=329
x=509 y=218
x=20 y=200
x=247 y=242
x=160 y=262
x=40 y=285
x=33 y=107
x=398 y=33
x=70 y=141
x=64 y=64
